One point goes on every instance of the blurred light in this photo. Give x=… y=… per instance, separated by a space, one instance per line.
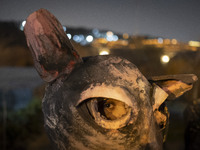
x=104 y=52
x=160 y=40
x=69 y=35
x=76 y=38
x=109 y=33
x=23 y=23
x=64 y=28
x=125 y=36
x=115 y=38
x=89 y=38
x=21 y=28
x=194 y=43
x=95 y=31
x=81 y=37
x=165 y=59
x=174 y=41
x=109 y=38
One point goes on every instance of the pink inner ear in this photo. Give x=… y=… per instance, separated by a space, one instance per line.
x=51 y=49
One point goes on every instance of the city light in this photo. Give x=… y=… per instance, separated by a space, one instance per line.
x=76 y=38
x=81 y=37
x=165 y=59
x=109 y=36
x=109 y=33
x=104 y=52
x=69 y=35
x=194 y=43
x=115 y=38
x=96 y=33
x=89 y=38
x=64 y=28
x=125 y=36
x=23 y=23
x=174 y=41
x=160 y=40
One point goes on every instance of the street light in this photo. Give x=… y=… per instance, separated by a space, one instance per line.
x=165 y=59
x=89 y=38
x=104 y=52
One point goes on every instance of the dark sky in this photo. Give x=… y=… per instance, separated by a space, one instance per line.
x=178 y=19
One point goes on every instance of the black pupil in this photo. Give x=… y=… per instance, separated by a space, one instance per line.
x=107 y=105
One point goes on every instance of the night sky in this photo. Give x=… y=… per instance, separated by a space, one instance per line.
x=178 y=19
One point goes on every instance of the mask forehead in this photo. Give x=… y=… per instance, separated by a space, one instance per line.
x=101 y=75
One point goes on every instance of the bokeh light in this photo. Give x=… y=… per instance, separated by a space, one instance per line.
x=64 y=28
x=69 y=35
x=165 y=59
x=104 y=52
x=89 y=38
x=160 y=40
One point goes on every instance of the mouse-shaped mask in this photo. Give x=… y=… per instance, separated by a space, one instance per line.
x=100 y=102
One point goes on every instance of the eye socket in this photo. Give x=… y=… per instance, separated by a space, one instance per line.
x=110 y=113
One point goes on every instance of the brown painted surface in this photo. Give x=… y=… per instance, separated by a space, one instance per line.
x=51 y=49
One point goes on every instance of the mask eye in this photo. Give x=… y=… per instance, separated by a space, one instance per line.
x=109 y=113
x=112 y=109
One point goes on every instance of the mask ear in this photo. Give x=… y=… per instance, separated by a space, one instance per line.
x=170 y=87
x=51 y=49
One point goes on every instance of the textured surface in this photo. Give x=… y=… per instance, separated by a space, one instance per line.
x=61 y=113
x=71 y=104
x=51 y=49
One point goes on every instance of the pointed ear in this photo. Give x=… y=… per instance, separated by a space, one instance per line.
x=51 y=49
x=170 y=87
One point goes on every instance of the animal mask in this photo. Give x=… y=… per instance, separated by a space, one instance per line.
x=100 y=102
